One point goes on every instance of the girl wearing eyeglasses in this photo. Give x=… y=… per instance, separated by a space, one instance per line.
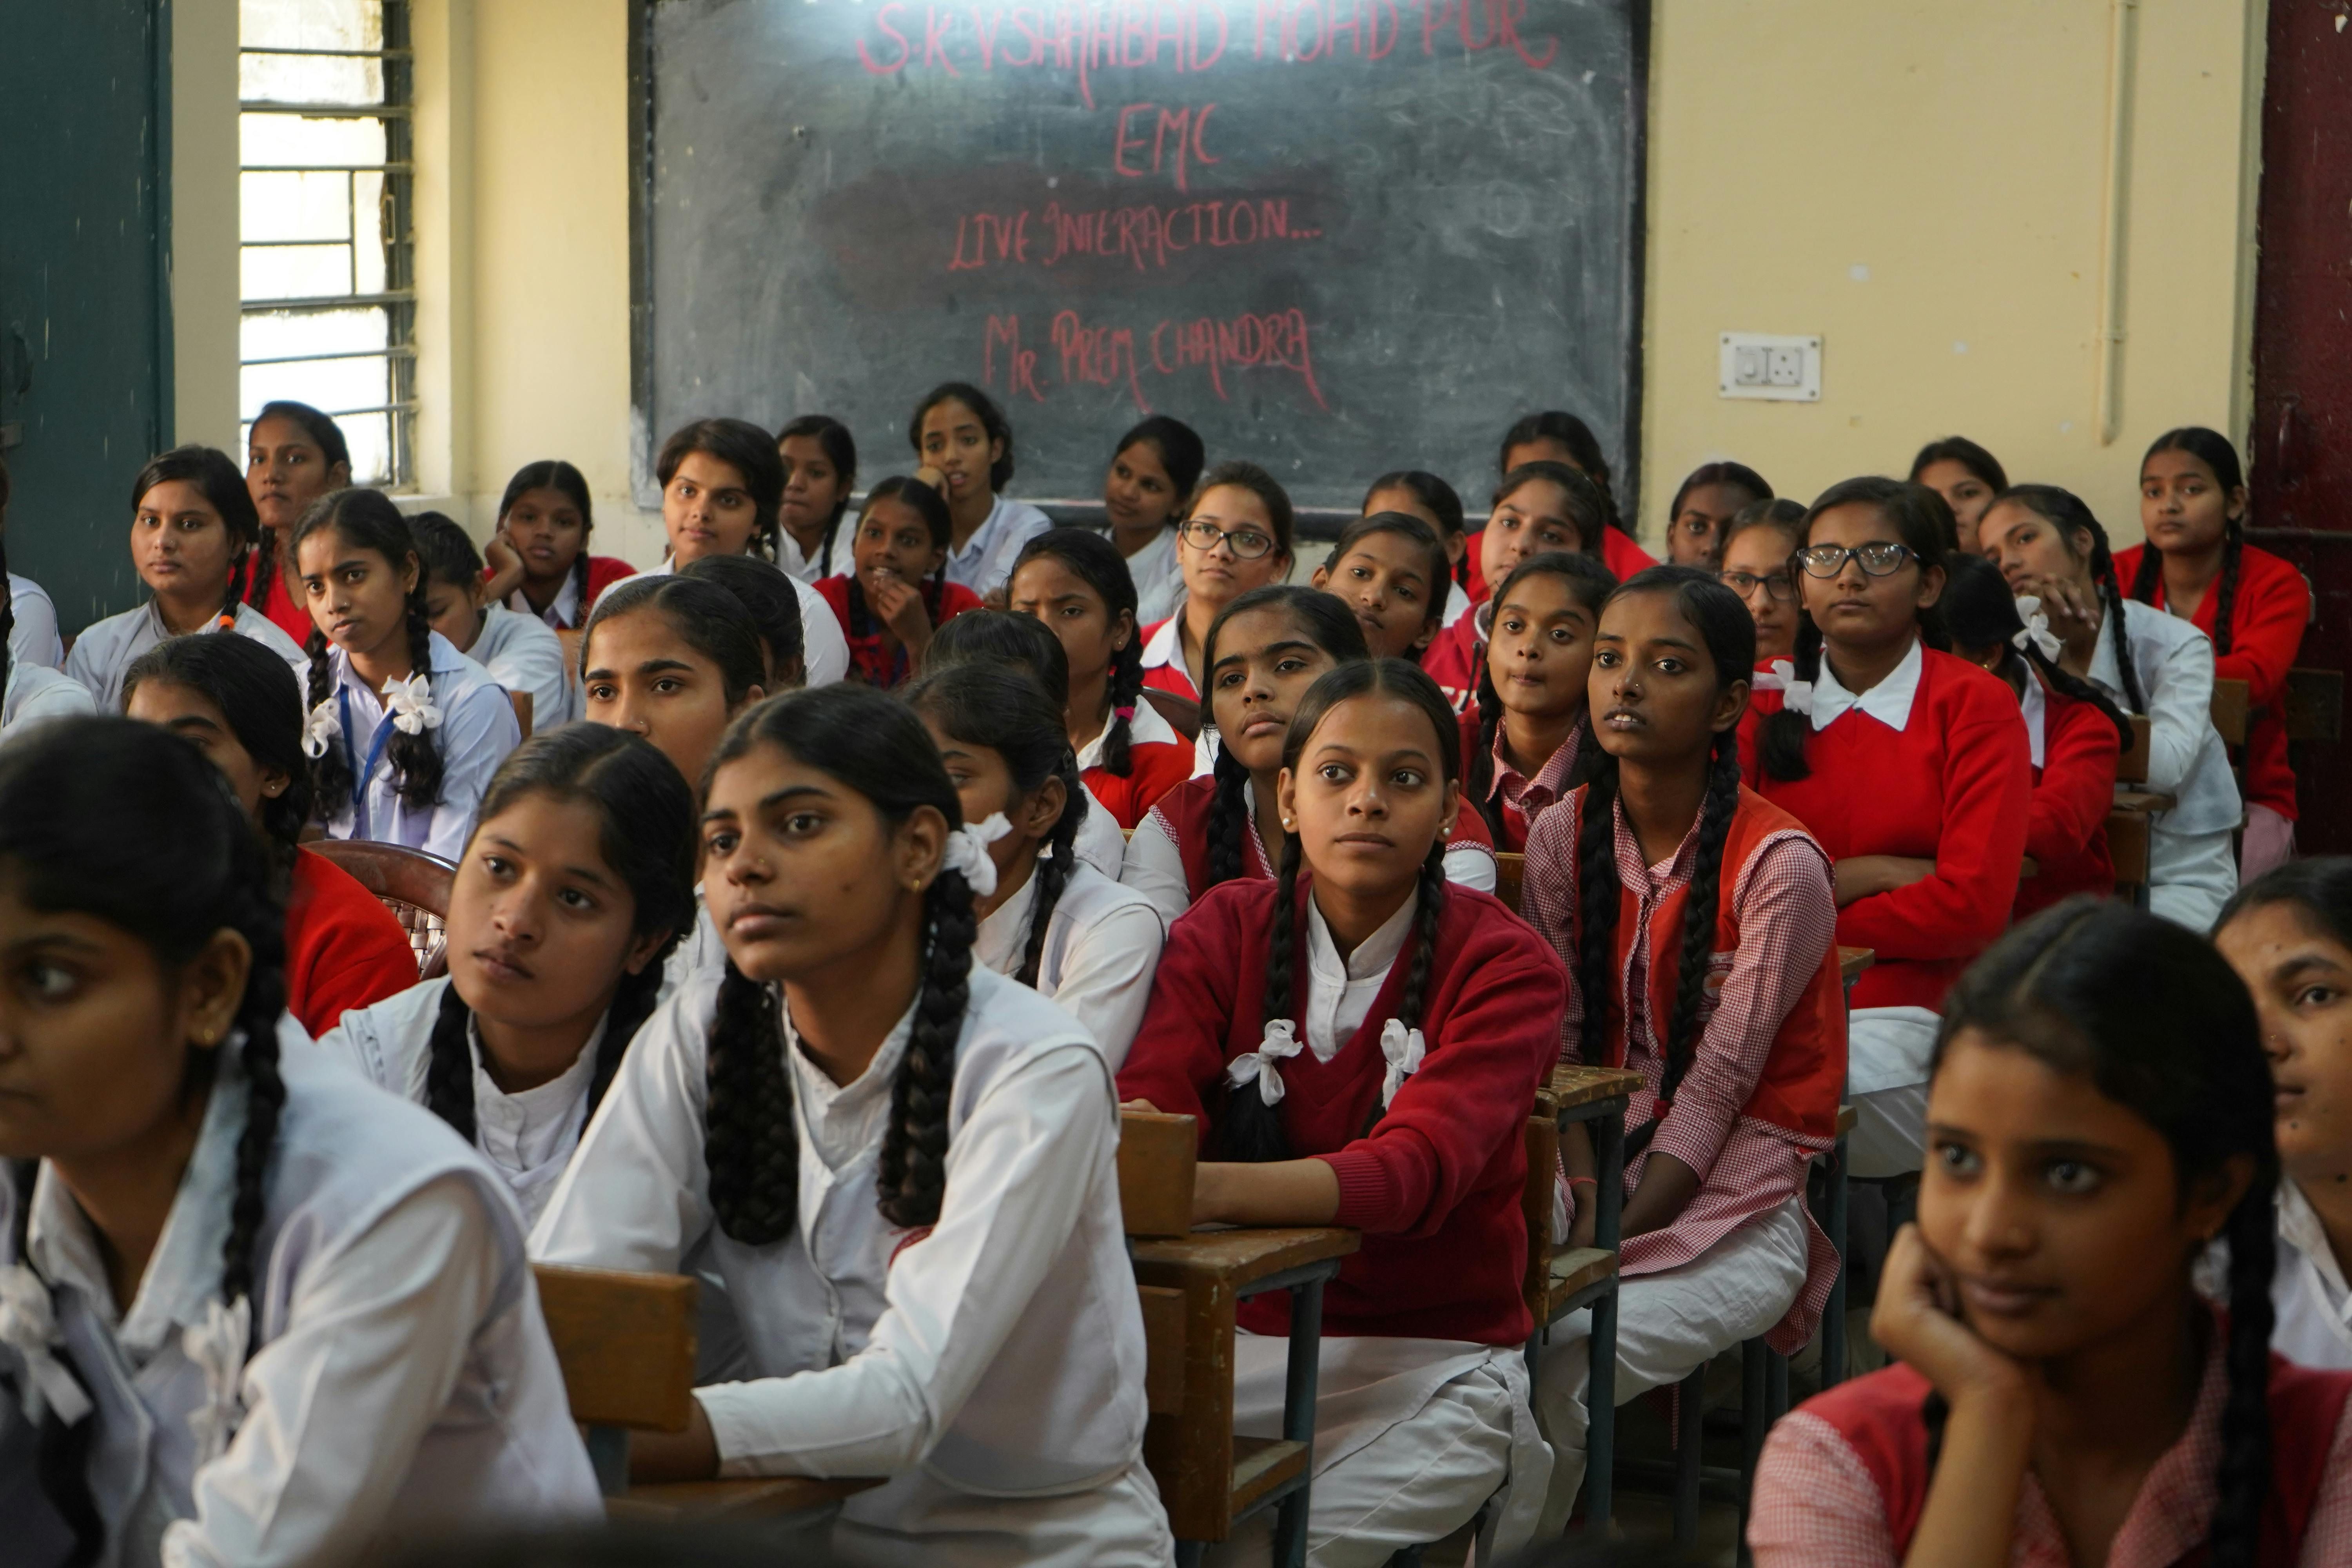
x=1238 y=538
x=1754 y=562
x=1911 y=767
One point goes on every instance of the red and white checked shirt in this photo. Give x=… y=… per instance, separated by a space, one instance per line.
x=1815 y=1505
x=1524 y=799
x=1747 y=1167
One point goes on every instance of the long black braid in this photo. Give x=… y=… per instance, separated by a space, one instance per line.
x=1094 y=561
x=645 y=836
x=1701 y=910
x=878 y=749
x=366 y=519
x=1229 y=817
x=1055 y=871
x=1589 y=584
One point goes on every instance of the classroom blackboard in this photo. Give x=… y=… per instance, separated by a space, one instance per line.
x=1334 y=235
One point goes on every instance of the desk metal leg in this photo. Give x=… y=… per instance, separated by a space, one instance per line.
x=1298 y=1417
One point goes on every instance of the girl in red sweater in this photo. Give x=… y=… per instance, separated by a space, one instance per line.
x=1911 y=767
x=897 y=592
x=1361 y=1044
x=2101 y=1112
x=1531 y=728
x=540 y=563
x=1540 y=506
x=2198 y=566
x=240 y=705
x=2073 y=732
x=1074 y=581
x=1697 y=922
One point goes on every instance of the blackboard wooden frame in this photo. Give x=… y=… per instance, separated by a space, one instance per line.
x=1313 y=522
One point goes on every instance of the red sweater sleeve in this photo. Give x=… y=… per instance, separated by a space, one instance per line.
x=1498 y=1034
x=2274 y=605
x=1180 y=1053
x=2078 y=784
x=344 y=948
x=1981 y=849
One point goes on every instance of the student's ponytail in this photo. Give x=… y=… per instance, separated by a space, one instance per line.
x=60 y=1453
x=1249 y=1131
x=2252 y=1236
x=912 y=1171
x=1054 y=873
x=1481 y=761
x=366 y=519
x=1229 y=817
x=749 y=1146
x=1701 y=909
x=1598 y=887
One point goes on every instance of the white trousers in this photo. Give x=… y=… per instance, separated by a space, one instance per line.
x=1887 y=1052
x=1668 y=1325
x=2190 y=876
x=1412 y=1439
x=1119 y=1524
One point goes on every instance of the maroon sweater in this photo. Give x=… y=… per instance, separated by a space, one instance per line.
x=1436 y=1185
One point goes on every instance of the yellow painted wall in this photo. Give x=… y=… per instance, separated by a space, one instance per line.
x=1956 y=151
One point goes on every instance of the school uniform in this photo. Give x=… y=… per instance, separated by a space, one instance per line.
x=402 y=1378
x=2308 y=1291
x=1168 y=858
x=1930 y=762
x=343 y=949
x=2192 y=866
x=523 y=657
x=1844 y=1477
x=869 y=659
x=33 y=640
x=1422 y=1414
x=1521 y=799
x=104 y=652
x=1163 y=657
x=1620 y=552
x=567 y=612
x=1158 y=577
x=477 y=729
x=1102 y=944
x=35 y=694
x=527 y=1138
x=824 y=652
x=991 y=1364
x=2073 y=747
x=803 y=567
x=2267 y=618
x=1757 y=1106
x=1455 y=654
x=986 y=559
x=1158 y=759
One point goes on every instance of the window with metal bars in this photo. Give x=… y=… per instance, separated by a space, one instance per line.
x=327 y=245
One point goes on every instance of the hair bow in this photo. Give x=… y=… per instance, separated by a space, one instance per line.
x=324 y=729
x=1403 y=1049
x=28 y=1325
x=1281 y=1040
x=410 y=703
x=967 y=852
x=1780 y=675
x=218 y=1346
x=2036 y=632
x=1127 y=712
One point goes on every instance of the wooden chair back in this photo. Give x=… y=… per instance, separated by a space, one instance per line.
x=1510 y=877
x=1183 y=714
x=1535 y=1207
x=2127 y=832
x=413 y=885
x=2131 y=766
x=2232 y=710
x=625 y=1342
x=2314 y=705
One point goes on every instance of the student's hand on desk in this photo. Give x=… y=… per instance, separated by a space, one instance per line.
x=689 y=1456
x=1860 y=876
x=1138 y=1105
x=1280 y=1193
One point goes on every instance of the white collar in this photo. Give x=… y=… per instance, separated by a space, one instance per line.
x=1147 y=728
x=441 y=657
x=1005 y=932
x=2036 y=708
x=1165 y=646
x=1889 y=702
x=1373 y=956
x=983 y=538
x=563 y=611
x=550 y=1107
x=2299 y=1226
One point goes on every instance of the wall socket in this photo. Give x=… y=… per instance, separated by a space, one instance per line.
x=1763 y=364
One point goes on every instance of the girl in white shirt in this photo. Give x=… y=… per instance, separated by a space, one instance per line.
x=256 y=1312
x=578 y=881
x=902 y=1166
x=1052 y=922
x=194 y=533
x=520 y=652
x=404 y=731
x=959 y=432
x=2288 y=935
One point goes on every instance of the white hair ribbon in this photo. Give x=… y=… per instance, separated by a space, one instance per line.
x=217 y=1347
x=1774 y=676
x=324 y=728
x=1281 y=1040
x=410 y=703
x=1403 y=1049
x=967 y=852
x=2036 y=632
x=1796 y=695
x=28 y=1325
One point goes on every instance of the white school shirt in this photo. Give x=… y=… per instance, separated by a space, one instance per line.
x=991 y=1364
x=1165 y=649
x=477 y=729
x=1158 y=578
x=811 y=568
x=1102 y=946
x=528 y=1138
x=522 y=654
x=404 y=1378
x=2309 y=1291
x=1155 y=869
x=1340 y=992
x=34 y=639
x=2191 y=866
x=1101 y=842
x=103 y=655
x=563 y=612
x=1148 y=728
x=36 y=694
x=825 y=650
x=986 y=559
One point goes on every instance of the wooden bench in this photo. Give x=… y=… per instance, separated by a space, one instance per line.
x=2314 y=705
x=1192 y=1284
x=2233 y=711
x=626 y=1345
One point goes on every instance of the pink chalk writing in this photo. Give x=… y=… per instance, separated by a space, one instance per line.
x=1142 y=239
x=1120 y=355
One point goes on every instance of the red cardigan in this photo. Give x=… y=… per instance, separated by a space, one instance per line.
x=869 y=660
x=1435 y=1184
x=343 y=949
x=1184 y=812
x=1956 y=785
x=2266 y=623
x=284 y=609
x=2073 y=790
x=1154 y=768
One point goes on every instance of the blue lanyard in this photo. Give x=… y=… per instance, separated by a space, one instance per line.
x=361 y=776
